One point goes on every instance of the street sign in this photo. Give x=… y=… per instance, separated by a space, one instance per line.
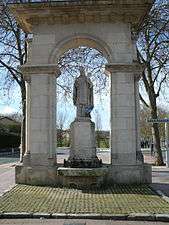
x=165 y=120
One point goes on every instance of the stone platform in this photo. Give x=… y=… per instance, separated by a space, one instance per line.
x=113 y=174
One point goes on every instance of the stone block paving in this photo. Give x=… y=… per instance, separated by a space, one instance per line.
x=117 y=199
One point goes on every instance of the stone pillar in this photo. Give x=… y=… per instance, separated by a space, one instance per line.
x=26 y=158
x=124 y=113
x=139 y=154
x=41 y=115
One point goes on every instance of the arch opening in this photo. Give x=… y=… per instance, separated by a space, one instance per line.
x=76 y=41
x=94 y=63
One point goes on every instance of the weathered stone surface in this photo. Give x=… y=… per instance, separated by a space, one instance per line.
x=130 y=174
x=39 y=175
x=83 y=146
x=82 y=172
x=68 y=12
x=36 y=175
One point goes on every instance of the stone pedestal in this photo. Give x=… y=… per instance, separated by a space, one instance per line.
x=83 y=147
x=82 y=177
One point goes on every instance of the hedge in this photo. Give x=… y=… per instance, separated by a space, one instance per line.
x=8 y=140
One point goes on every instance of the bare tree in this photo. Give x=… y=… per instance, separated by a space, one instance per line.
x=153 y=52
x=62 y=120
x=13 y=52
x=93 y=62
x=145 y=128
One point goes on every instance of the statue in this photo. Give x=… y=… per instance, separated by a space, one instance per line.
x=83 y=95
x=83 y=143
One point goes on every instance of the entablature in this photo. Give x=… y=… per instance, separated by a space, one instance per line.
x=68 y=12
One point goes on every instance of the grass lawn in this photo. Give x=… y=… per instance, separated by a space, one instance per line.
x=118 y=199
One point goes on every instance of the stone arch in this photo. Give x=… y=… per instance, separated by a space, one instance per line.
x=80 y=40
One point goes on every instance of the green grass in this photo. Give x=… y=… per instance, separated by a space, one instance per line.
x=119 y=199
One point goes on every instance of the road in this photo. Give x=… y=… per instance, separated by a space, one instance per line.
x=75 y=222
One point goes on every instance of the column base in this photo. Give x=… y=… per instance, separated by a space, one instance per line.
x=130 y=174
x=26 y=159
x=36 y=175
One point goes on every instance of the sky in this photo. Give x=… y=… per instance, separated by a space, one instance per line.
x=10 y=102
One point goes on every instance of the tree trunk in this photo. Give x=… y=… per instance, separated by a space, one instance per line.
x=23 y=126
x=156 y=135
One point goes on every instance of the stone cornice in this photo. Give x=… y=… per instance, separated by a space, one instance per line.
x=28 y=70
x=134 y=68
x=131 y=11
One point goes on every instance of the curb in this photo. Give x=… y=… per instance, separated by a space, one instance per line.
x=130 y=217
x=162 y=195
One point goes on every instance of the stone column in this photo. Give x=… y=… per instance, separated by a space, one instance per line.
x=124 y=113
x=41 y=114
x=26 y=158
x=139 y=154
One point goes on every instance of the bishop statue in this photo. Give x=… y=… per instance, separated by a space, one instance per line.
x=83 y=95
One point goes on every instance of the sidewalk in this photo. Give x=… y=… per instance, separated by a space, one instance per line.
x=7 y=177
x=161 y=179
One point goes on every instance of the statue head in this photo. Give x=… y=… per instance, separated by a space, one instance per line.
x=82 y=71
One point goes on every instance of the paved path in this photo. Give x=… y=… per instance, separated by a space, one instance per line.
x=75 y=222
x=7 y=177
x=161 y=179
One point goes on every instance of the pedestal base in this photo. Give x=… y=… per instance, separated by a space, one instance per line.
x=83 y=149
x=83 y=177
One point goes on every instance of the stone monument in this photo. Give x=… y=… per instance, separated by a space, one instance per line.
x=111 y=27
x=83 y=144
